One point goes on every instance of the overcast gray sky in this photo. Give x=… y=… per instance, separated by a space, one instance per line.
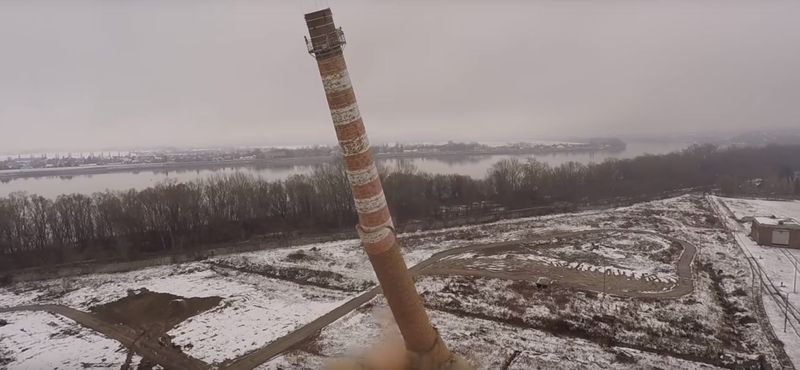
x=110 y=74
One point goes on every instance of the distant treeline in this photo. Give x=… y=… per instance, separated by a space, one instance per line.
x=177 y=216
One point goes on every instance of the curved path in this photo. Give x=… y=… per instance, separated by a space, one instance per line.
x=166 y=356
x=685 y=283
x=174 y=359
x=253 y=359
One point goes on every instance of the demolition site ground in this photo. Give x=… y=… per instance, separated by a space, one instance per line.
x=658 y=285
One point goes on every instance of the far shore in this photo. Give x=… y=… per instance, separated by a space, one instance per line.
x=266 y=163
x=169 y=166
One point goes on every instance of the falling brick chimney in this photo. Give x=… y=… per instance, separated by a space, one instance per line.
x=326 y=44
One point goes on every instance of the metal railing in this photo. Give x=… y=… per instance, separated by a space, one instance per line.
x=330 y=43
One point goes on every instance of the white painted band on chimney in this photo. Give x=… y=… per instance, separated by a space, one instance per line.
x=374 y=236
x=371 y=204
x=363 y=176
x=355 y=146
x=336 y=82
x=343 y=116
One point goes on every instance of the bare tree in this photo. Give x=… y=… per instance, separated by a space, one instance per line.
x=223 y=208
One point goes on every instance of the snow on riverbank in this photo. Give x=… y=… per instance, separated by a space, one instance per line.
x=40 y=340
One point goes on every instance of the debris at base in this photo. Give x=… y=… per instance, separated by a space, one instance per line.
x=543 y=282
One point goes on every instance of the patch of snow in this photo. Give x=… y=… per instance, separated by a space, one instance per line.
x=484 y=344
x=790 y=337
x=293 y=361
x=266 y=301
x=135 y=361
x=40 y=340
x=780 y=266
x=622 y=254
x=757 y=207
x=255 y=311
x=777 y=221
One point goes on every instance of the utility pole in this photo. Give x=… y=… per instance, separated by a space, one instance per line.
x=605 y=272
x=375 y=227
x=786 y=318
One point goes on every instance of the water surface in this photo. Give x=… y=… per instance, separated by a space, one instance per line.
x=474 y=166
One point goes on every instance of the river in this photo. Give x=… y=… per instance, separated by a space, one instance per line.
x=475 y=166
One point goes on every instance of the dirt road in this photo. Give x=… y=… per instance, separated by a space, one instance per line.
x=174 y=359
x=620 y=286
x=685 y=286
x=165 y=356
x=260 y=356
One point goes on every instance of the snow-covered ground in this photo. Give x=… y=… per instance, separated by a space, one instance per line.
x=765 y=208
x=271 y=308
x=637 y=256
x=676 y=217
x=778 y=264
x=680 y=217
x=38 y=340
x=485 y=344
x=689 y=325
x=347 y=258
x=791 y=337
x=718 y=315
x=255 y=310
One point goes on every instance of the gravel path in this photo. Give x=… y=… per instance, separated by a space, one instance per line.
x=685 y=286
x=174 y=359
